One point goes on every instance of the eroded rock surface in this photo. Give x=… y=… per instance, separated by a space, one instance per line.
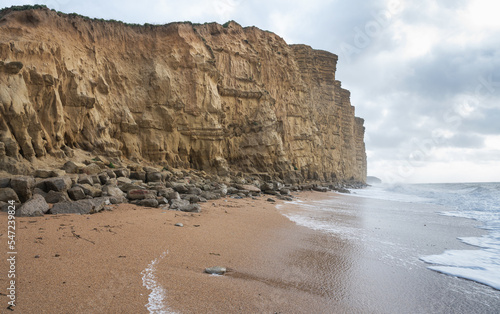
x=209 y=97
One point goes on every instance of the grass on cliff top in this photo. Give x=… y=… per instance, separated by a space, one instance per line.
x=44 y=7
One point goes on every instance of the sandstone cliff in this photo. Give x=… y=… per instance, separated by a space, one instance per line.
x=211 y=97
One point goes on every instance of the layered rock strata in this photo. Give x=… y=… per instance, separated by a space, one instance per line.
x=210 y=97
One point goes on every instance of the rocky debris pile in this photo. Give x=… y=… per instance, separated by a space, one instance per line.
x=87 y=188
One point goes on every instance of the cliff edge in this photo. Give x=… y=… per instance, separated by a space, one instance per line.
x=210 y=97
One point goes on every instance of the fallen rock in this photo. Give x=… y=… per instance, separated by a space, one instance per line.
x=138 y=175
x=76 y=193
x=43 y=173
x=153 y=176
x=122 y=172
x=57 y=173
x=91 y=169
x=23 y=186
x=36 y=206
x=191 y=208
x=86 y=206
x=85 y=179
x=91 y=190
x=271 y=200
x=8 y=194
x=177 y=203
x=58 y=184
x=4 y=182
x=103 y=177
x=139 y=194
x=248 y=187
x=179 y=225
x=73 y=167
x=216 y=270
x=126 y=187
x=320 y=188
x=113 y=190
x=56 y=197
x=148 y=202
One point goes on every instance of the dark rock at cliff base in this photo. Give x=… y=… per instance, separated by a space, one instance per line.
x=57 y=184
x=191 y=208
x=57 y=197
x=36 y=206
x=76 y=193
x=8 y=194
x=23 y=186
x=148 y=202
x=320 y=189
x=86 y=206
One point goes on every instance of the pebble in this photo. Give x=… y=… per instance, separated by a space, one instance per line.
x=216 y=270
x=179 y=225
x=271 y=200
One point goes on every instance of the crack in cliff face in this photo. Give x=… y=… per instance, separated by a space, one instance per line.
x=203 y=96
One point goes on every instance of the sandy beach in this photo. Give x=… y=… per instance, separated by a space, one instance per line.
x=135 y=260
x=95 y=263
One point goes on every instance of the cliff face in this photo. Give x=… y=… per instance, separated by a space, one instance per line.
x=203 y=96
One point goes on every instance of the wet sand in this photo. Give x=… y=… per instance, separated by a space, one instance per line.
x=96 y=263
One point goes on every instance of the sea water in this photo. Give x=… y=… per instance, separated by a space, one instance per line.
x=478 y=201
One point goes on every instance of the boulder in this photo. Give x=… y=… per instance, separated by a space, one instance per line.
x=320 y=188
x=56 y=197
x=91 y=169
x=57 y=173
x=86 y=206
x=284 y=191
x=174 y=196
x=210 y=195
x=179 y=187
x=58 y=184
x=178 y=203
x=76 y=193
x=125 y=187
x=104 y=177
x=149 y=169
x=118 y=199
x=138 y=175
x=139 y=194
x=8 y=194
x=91 y=190
x=122 y=172
x=161 y=200
x=85 y=179
x=4 y=182
x=153 y=176
x=36 y=206
x=43 y=173
x=23 y=186
x=123 y=180
x=148 y=202
x=191 y=208
x=248 y=187
x=111 y=174
x=113 y=190
x=39 y=191
x=73 y=167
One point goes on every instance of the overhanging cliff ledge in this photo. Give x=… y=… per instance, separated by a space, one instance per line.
x=211 y=97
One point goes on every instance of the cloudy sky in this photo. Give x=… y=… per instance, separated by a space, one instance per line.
x=424 y=75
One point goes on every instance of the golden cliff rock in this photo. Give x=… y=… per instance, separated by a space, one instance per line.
x=211 y=97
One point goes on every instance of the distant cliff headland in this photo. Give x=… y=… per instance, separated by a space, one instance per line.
x=219 y=98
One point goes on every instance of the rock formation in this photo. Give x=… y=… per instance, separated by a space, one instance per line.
x=210 y=97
